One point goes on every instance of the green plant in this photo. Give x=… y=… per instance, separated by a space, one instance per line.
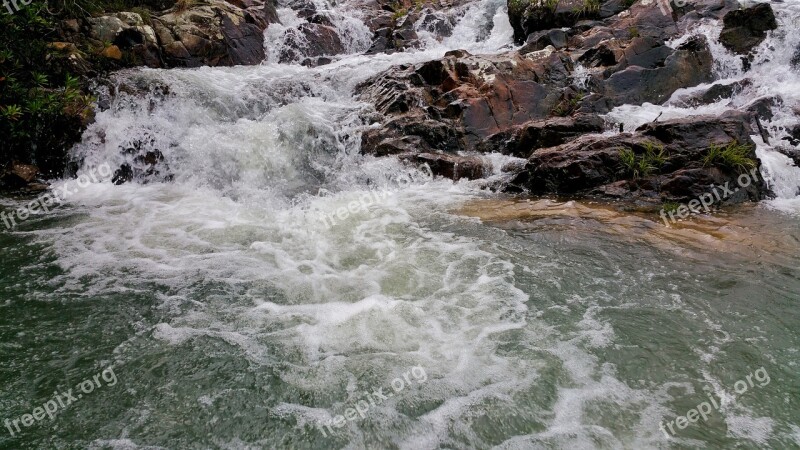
x=42 y=109
x=627 y=159
x=144 y=13
x=734 y=156
x=633 y=32
x=399 y=10
x=670 y=207
x=520 y=6
x=655 y=153
x=650 y=161
x=567 y=106
x=183 y=5
x=588 y=8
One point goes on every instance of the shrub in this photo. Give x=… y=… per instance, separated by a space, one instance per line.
x=41 y=104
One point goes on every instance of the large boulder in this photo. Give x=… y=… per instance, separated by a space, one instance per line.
x=126 y=35
x=744 y=29
x=691 y=64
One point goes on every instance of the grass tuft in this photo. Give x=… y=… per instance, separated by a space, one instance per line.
x=734 y=156
x=650 y=161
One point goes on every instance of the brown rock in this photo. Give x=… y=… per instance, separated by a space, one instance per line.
x=112 y=52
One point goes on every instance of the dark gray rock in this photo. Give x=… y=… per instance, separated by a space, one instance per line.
x=744 y=29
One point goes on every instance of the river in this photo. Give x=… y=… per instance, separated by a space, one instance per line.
x=283 y=280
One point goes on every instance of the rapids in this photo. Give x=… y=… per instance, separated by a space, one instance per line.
x=240 y=308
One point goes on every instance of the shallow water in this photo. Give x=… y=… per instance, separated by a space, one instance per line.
x=239 y=308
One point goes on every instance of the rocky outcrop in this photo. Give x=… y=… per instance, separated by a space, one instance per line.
x=529 y=16
x=207 y=33
x=666 y=162
x=534 y=104
x=515 y=102
x=745 y=29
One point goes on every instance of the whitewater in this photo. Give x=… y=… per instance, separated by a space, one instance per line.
x=235 y=317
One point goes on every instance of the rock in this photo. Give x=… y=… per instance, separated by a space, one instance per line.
x=450 y=166
x=144 y=164
x=128 y=35
x=557 y=38
x=551 y=132
x=310 y=41
x=762 y=107
x=794 y=135
x=527 y=17
x=745 y=29
x=17 y=175
x=592 y=165
x=690 y=65
x=71 y=26
x=715 y=93
x=792 y=153
x=112 y=52
x=466 y=102
x=436 y=23
x=215 y=33
x=585 y=163
x=796 y=58
x=212 y=32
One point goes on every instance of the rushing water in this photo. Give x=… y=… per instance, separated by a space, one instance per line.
x=239 y=309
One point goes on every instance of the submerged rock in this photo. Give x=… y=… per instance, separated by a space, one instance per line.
x=450 y=166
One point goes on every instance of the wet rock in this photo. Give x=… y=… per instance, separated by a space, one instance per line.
x=128 y=35
x=794 y=135
x=458 y=102
x=745 y=29
x=527 y=17
x=715 y=93
x=792 y=153
x=585 y=163
x=690 y=65
x=557 y=38
x=112 y=52
x=450 y=166
x=796 y=58
x=593 y=164
x=552 y=132
x=144 y=163
x=646 y=52
x=214 y=33
x=762 y=107
x=17 y=175
x=312 y=40
x=436 y=23
x=605 y=54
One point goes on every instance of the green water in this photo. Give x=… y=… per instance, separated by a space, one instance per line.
x=618 y=332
